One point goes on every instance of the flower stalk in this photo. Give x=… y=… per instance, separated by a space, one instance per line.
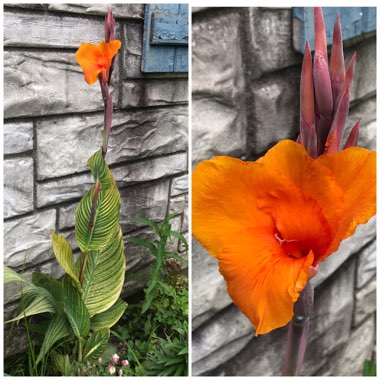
x=298 y=332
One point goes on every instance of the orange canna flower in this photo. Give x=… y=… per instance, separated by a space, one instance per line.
x=271 y=222
x=97 y=59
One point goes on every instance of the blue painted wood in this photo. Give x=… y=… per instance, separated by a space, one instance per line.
x=158 y=56
x=169 y=30
x=354 y=20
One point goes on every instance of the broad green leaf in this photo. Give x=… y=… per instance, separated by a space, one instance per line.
x=39 y=305
x=109 y=317
x=58 y=328
x=148 y=222
x=61 y=363
x=100 y=170
x=180 y=237
x=75 y=309
x=96 y=344
x=64 y=255
x=104 y=275
x=105 y=221
x=52 y=285
x=144 y=243
x=10 y=275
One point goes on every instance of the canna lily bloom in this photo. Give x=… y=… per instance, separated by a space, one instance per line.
x=271 y=222
x=97 y=59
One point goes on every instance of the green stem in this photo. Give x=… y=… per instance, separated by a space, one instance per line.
x=297 y=333
x=79 y=350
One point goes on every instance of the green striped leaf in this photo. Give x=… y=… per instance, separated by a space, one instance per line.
x=58 y=328
x=105 y=221
x=96 y=344
x=109 y=317
x=53 y=286
x=75 y=309
x=61 y=363
x=64 y=255
x=10 y=275
x=39 y=305
x=100 y=170
x=104 y=275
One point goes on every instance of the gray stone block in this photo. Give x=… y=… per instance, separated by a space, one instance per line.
x=331 y=320
x=133 y=37
x=27 y=240
x=366 y=269
x=364 y=82
x=118 y=10
x=18 y=186
x=18 y=138
x=363 y=235
x=46 y=83
x=275 y=111
x=66 y=216
x=365 y=302
x=177 y=204
x=156 y=92
x=134 y=135
x=220 y=339
x=217 y=129
x=269 y=40
x=73 y=188
x=49 y=30
x=149 y=201
x=350 y=359
x=135 y=282
x=366 y=111
x=208 y=299
x=219 y=117
x=217 y=68
x=180 y=185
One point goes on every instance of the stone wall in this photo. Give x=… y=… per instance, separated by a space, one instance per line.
x=245 y=84
x=53 y=123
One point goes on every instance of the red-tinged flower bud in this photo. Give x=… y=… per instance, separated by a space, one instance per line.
x=307 y=88
x=322 y=85
x=109 y=26
x=320 y=32
x=353 y=137
x=337 y=71
x=312 y=145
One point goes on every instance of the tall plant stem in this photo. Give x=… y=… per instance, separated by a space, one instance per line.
x=298 y=332
x=79 y=350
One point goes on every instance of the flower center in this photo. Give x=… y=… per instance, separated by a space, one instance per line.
x=293 y=248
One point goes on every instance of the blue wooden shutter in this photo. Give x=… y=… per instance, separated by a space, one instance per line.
x=354 y=20
x=166 y=33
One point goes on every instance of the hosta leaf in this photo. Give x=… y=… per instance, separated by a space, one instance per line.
x=61 y=363
x=75 y=309
x=64 y=255
x=58 y=328
x=105 y=221
x=109 y=317
x=96 y=344
x=39 y=305
x=104 y=275
x=100 y=170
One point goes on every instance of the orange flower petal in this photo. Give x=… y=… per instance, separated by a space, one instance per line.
x=314 y=180
x=224 y=200
x=94 y=58
x=354 y=170
x=230 y=195
x=262 y=280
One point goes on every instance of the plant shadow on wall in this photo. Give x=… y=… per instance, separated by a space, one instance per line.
x=79 y=325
